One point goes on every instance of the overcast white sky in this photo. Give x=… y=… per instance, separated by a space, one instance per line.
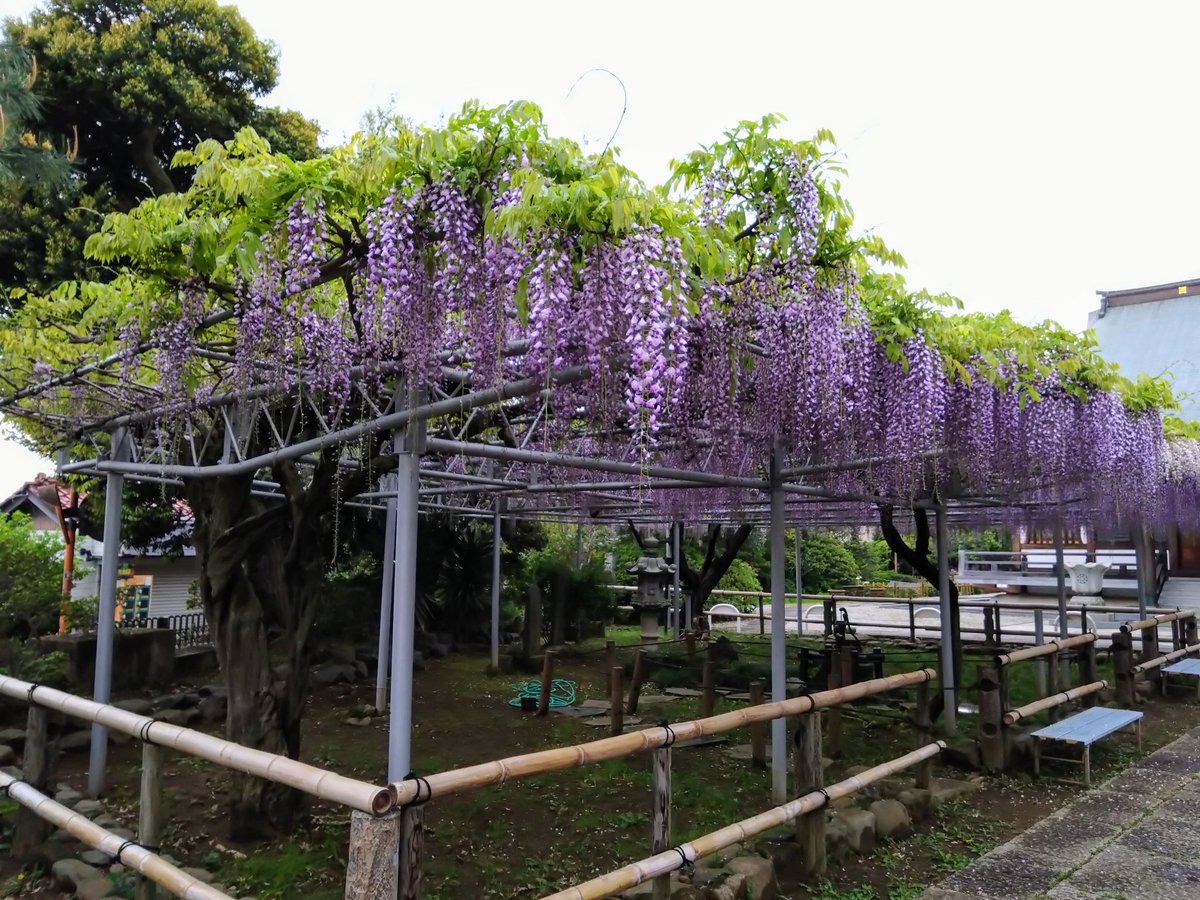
x=1020 y=155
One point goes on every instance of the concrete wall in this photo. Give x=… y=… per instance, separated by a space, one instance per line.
x=1155 y=338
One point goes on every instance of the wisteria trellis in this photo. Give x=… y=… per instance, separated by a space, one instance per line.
x=690 y=369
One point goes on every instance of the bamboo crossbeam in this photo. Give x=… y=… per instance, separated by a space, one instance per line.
x=1164 y=659
x=498 y=771
x=133 y=855
x=1015 y=715
x=329 y=786
x=1153 y=621
x=1045 y=649
x=665 y=863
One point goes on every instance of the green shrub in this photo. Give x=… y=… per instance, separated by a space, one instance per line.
x=825 y=563
x=30 y=578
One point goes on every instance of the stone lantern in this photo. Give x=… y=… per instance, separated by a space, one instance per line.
x=654 y=574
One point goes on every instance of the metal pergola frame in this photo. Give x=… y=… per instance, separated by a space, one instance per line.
x=466 y=474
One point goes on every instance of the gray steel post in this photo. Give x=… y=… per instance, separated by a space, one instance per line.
x=497 y=538
x=676 y=548
x=779 y=756
x=799 y=586
x=106 y=613
x=404 y=607
x=1144 y=562
x=1060 y=574
x=949 y=689
x=385 y=599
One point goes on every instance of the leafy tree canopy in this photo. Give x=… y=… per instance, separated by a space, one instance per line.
x=30 y=577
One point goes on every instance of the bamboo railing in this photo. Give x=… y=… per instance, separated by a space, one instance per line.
x=1046 y=649
x=557 y=759
x=1015 y=715
x=1164 y=659
x=1155 y=621
x=126 y=852
x=664 y=863
x=320 y=783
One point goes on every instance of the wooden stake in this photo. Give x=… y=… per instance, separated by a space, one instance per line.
x=923 y=734
x=371 y=870
x=616 y=699
x=610 y=651
x=1122 y=654
x=991 y=730
x=150 y=813
x=639 y=678
x=758 y=731
x=31 y=830
x=412 y=847
x=709 y=699
x=810 y=776
x=690 y=638
x=547 y=683
x=661 y=835
x=1087 y=672
x=834 y=683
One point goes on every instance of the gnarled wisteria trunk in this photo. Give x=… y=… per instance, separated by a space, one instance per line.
x=261 y=571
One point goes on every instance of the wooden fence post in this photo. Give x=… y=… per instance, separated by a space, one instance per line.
x=1190 y=632
x=547 y=683
x=923 y=734
x=991 y=719
x=412 y=848
x=1122 y=654
x=810 y=776
x=639 y=677
x=616 y=699
x=1087 y=671
x=829 y=613
x=835 y=712
x=709 y=699
x=31 y=830
x=1149 y=643
x=1176 y=635
x=690 y=638
x=758 y=731
x=1054 y=671
x=610 y=654
x=150 y=817
x=661 y=837
x=374 y=846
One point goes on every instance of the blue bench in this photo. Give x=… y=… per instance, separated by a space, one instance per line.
x=1083 y=729
x=1183 y=667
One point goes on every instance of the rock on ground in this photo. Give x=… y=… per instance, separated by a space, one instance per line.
x=892 y=819
x=860 y=829
x=759 y=874
x=68 y=873
x=94 y=889
x=95 y=857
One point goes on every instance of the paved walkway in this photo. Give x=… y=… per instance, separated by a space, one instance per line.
x=1137 y=837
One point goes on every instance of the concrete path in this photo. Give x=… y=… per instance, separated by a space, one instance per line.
x=1135 y=838
x=1181 y=592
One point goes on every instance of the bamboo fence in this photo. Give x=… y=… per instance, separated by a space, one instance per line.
x=1159 y=620
x=670 y=860
x=1164 y=659
x=1046 y=649
x=1013 y=716
x=137 y=857
x=559 y=758
x=329 y=786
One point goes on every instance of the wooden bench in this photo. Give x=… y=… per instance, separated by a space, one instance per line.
x=1083 y=729
x=1183 y=667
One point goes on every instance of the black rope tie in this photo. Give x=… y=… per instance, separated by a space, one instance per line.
x=684 y=862
x=144 y=731
x=417 y=799
x=29 y=694
x=670 y=733
x=125 y=846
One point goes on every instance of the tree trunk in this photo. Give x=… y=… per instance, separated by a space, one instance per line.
x=261 y=571
x=918 y=558
x=715 y=565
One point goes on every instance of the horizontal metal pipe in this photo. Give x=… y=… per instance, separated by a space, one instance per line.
x=1164 y=659
x=1045 y=649
x=559 y=758
x=391 y=422
x=670 y=860
x=128 y=853
x=331 y=786
x=1015 y=715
